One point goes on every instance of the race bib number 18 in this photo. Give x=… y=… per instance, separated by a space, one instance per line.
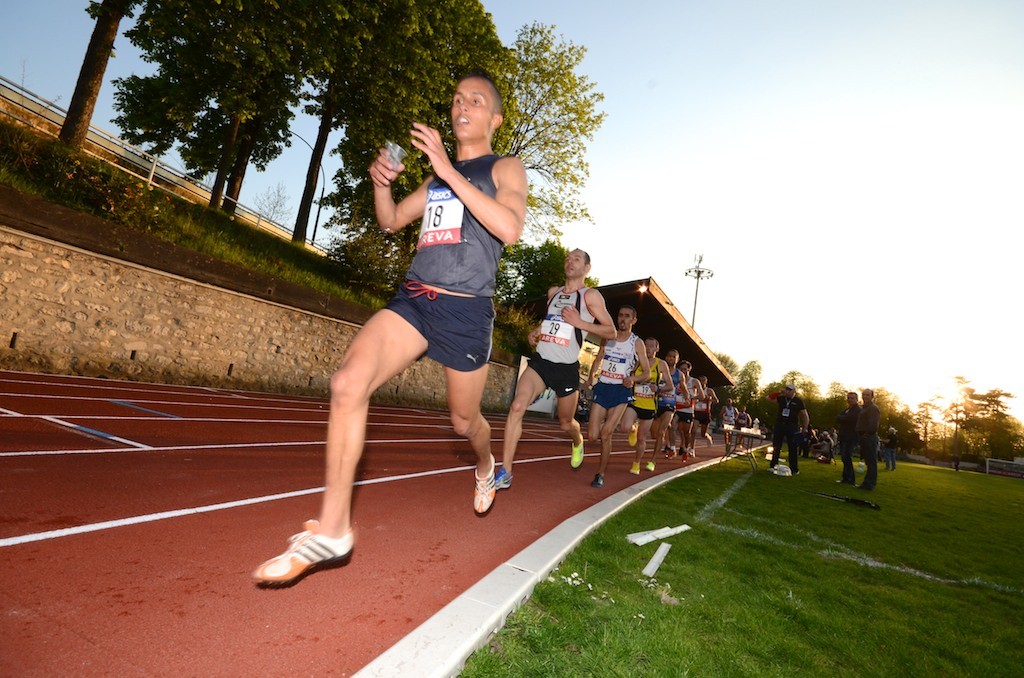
x=442 y=218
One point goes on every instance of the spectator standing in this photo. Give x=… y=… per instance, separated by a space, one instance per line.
x=847 y=422
x=867 y=435
x=889 y=449
x=791 y=423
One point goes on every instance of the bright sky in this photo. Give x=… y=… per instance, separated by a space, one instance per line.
x=852 y=172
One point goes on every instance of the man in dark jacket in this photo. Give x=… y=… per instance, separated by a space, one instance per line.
x=847 y=422
x=791 y=424
x=867 y=434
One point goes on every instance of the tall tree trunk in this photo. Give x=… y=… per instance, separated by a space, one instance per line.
x=245 y=146
x=315 y=161
x=227 y=155
x=90 y=78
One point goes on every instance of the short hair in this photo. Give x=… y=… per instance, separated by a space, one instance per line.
x=484 y=75
x=631 y=308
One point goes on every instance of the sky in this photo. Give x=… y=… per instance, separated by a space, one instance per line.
x=851 y=171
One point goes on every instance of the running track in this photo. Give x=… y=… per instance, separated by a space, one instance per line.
x=131 y=517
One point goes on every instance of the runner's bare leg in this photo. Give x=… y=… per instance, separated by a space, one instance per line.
x=384 y=347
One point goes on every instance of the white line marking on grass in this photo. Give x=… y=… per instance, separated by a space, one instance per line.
x=833 y=551
x=710 y=509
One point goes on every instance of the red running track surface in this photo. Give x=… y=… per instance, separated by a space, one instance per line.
x=132 y=516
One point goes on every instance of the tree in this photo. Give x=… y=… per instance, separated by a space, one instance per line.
x=550 y=112
x=747 y=387
x=108 y=15
x=273 y=203
x=556 y=114
x=995 y=433
x=405 y=69
x=229 y=75
x=527 y=272
x=342 y=53
x=924 y=418
x=733 y=368
x=957 y=411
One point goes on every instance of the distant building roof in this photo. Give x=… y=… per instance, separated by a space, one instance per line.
x=661 y=319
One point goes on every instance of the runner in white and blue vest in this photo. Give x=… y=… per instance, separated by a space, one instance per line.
x=613 y=391
x=573 y=311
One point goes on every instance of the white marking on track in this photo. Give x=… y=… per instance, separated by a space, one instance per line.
x=93 y=432
x=179 y=513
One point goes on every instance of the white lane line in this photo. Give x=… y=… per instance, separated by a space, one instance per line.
x=182 y=403
x=223 y=446
x=11 y=413
x=66 y=381
x=93 y=432
x=179 y=513
x=248 y=406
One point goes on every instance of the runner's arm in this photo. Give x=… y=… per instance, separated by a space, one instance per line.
x=595 y=366
x=602 y=325
x=669 y=386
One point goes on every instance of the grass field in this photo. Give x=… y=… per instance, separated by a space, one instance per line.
x=773 y=580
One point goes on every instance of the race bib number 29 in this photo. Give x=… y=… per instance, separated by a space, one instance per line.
x=554 y=329
x=442 y=218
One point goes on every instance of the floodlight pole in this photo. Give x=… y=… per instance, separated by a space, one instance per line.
x=697 y=272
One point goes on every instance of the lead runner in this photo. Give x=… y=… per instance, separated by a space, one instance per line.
x=444 y=310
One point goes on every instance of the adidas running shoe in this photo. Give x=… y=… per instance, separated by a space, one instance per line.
x=307 y=552
x=483 y=492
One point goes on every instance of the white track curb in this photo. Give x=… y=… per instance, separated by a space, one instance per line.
x=440 y=646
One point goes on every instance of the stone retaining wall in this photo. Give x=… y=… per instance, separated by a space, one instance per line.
x=66 y=310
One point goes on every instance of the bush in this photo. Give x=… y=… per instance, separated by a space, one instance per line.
x=79 y=181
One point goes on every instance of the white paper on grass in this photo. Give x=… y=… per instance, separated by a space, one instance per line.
x=640 y=535
x=657 y=559
x=641 y=538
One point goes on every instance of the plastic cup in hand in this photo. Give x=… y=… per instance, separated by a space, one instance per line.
x=395 y=154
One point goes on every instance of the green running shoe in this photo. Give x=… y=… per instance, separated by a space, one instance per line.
x=577 y=455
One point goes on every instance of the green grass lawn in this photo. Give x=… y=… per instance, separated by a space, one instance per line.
x=772 y=580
